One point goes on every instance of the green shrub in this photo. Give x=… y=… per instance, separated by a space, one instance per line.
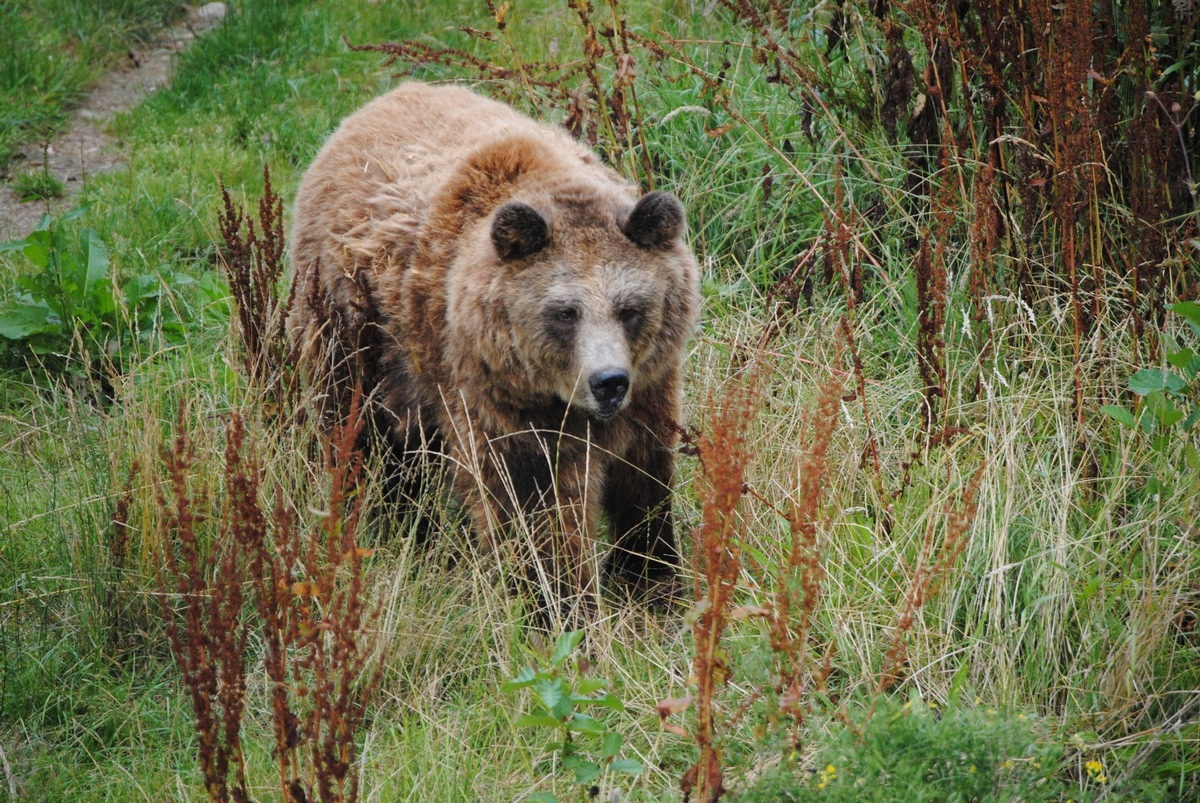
x=72 y=314
x=585 y=747
x=918 y=752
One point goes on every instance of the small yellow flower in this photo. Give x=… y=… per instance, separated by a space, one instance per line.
x=831 y=770
x=1095 y=771
x=971 y=769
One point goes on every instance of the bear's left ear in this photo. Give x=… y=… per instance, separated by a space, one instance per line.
x=519 y=230
x=656 y=221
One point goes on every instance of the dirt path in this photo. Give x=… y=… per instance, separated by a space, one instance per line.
x=84 y=147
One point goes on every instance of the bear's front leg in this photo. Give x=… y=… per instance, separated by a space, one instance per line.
x=637 y=500
x=536 y=494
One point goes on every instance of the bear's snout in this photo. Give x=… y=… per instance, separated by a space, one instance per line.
x=608 y=389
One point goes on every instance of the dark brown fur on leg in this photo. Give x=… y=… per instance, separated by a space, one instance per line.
x=637 y=500
x=535 y=486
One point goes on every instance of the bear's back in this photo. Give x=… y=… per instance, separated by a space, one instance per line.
x=366 y=195
x=389 y=157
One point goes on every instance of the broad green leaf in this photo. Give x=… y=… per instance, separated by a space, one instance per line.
x=629 y=766
x=566 y=644
x=1191 y=420
x=75 y=213
x=550 y=691
x=524 y=679
x=1158 y=487
x=610 y=745
x=1167 y=415
x=1148 y=423
x=542 y=797
x=103 y=300
x=1148 y=380
x=1187 y=361
x=1188 y=309
x=589 y=685
x=582 y=723
x=141 y=290
x=1180 y=358
x=1164 y=411
x=38 y=254
x=959 y=681
x=21 y=322
x=97 y=260
x=538 y=721
x=610 y=701
x=1119 y=414
x=1191 y=457
x=586 y=772
x=41 y=237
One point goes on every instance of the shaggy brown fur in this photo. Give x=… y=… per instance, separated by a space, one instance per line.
x=495 y=288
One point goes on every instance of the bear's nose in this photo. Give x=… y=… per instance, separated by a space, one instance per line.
x=609 y=389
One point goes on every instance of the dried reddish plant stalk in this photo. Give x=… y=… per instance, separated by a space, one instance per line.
x=253 y=261
x=339 y=668
x=932 y=570
x=209 y=643
x=798 y=584
x=303 y=590
x=930 y=273
x=720 y=484
x=931 y=314
x=115 y=586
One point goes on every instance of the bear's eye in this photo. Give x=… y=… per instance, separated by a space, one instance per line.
x=630 y=316
x=567 y=315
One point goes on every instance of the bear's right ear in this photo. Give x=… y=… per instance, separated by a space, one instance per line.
x=656 y=221
x=519 y=230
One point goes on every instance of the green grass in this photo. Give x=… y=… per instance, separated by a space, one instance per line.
x=1068 y=609
x=52 y=52
x=38 y=185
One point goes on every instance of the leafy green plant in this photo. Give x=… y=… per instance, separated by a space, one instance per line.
x=1167 y=407
x=38 y=185
x=916 y=751
x=560 y=693
x=70 y=305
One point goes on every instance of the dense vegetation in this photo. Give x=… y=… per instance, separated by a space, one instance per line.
x=942 y=478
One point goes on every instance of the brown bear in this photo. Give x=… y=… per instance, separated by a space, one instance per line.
x=502 y=295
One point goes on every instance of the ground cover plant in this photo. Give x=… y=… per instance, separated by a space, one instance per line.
x=938 y=483
x=50 y=53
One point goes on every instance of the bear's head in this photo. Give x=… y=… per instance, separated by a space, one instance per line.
x=595 y=297
x=566 y=287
